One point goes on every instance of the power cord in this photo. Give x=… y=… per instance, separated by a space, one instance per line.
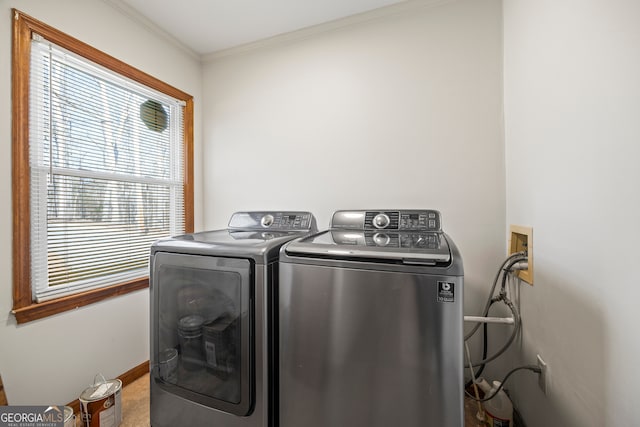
x=533 y=368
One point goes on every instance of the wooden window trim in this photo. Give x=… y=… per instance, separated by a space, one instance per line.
x=24 y=308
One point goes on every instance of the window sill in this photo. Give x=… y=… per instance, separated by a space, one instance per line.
x=36 y=311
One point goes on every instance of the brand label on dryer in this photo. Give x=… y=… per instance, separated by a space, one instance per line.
x=446 y=292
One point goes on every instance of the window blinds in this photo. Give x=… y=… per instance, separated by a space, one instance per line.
x=104 y=183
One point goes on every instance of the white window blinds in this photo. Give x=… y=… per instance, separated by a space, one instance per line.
x=106 y=160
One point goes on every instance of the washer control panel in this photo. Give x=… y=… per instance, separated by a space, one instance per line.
x=279 y=221
x=403 y=240
x=396 y=220
x=429 y=220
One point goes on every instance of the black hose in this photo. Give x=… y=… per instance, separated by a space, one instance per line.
x=516 y=328
x=521 y=256
x=485 y=345
x=533 y=368
x=507 y=270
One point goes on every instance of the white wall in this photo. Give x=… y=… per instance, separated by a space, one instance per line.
x=572 y=112
x=398 y=112
x=51 y=361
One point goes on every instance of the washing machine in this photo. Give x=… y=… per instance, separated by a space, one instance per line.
x=371 y=324
x=211 y=321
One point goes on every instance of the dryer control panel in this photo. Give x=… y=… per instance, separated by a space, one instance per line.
x=272 y=220
x=392 y=220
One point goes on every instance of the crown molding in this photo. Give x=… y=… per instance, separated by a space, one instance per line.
x=401 y=8
x=136 y=16
x=361 y=18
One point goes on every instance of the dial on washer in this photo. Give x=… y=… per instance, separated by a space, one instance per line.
x=266 y=221
x=381 y=220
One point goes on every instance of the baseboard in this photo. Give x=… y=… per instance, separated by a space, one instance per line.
x=133 y=374
x=127 y=378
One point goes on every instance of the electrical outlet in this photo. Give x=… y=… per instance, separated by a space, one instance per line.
x=543 y=375
x=521 y=240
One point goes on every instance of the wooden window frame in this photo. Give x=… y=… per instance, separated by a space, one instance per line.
x=24 y=308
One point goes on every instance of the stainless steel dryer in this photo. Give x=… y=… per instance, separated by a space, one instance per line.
x=211 y=304
x=370 y=324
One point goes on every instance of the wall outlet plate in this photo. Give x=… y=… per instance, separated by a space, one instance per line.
x=542 y=376
x=521 y=239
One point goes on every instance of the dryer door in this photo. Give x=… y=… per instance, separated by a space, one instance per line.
x=201 y=315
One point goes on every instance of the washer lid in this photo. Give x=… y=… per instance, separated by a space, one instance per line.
x=259 y=245
x=408 y=247
x=256 y=235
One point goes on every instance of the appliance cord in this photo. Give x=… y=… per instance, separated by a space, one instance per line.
x=533 y=368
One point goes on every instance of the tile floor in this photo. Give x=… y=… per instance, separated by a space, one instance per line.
x=135 y=406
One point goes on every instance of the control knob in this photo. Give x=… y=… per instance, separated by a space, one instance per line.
x=381 y=220
x=266 y=221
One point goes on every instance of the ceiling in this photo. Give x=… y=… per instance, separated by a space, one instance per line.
x=209 y=26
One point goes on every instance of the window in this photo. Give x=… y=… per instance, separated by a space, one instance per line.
x=102 y=161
